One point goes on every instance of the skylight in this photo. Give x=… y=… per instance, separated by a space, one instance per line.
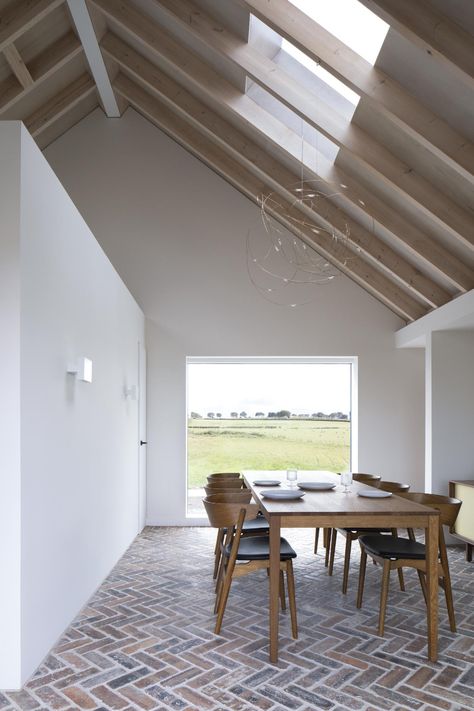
x=351 y=22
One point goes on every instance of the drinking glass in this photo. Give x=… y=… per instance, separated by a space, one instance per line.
x=291 y=477
x=346 y=481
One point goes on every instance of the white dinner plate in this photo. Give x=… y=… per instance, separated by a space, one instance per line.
x=267 y=482
x=283 y=494
x=316 y=485
x=374 y=494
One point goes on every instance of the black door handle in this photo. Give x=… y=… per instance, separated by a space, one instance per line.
x=142 y=442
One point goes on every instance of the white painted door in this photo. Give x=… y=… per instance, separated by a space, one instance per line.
x=142 y=441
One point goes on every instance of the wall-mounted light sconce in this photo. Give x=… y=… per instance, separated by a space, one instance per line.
x=82 y=369
x=131 y=392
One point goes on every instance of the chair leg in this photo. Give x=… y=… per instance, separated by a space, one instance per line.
x=449 y=603
x=422 y=579
x=401 y=579
x=316 y=540
x=347 y=562
x=217 y=552
x=290 y=580
x=327 y=544
x=220 y=578
x=363 y=565
x=384 y=595
x=326 y=532
x=333 y=550
x=282 y=591
x=224 y=594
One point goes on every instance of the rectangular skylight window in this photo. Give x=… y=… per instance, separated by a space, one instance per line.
x=320 y=72
x=351 y=22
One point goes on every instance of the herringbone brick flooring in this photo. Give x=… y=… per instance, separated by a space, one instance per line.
x=145 y=640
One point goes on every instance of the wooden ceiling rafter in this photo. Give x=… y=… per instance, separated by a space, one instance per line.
x=251 y=186
x=60 y=104
x=266 y=167
x=21 y=15
x=41 y=68
x=446 y=41
x=227 y=101
x=370 y=156
x=385 y=95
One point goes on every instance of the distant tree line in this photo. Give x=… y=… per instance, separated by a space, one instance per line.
x=279 y=415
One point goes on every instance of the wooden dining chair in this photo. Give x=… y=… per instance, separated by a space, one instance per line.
x=394 y=553
x=227 y=483
x=252 y=553
x=352 y=534
x=218 y=476
x=257 y=526
x=371 y=479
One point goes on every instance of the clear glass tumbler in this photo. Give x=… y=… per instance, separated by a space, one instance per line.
x=291 y=477
x=346 y=481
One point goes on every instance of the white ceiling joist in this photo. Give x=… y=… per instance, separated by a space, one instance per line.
x=85 y=30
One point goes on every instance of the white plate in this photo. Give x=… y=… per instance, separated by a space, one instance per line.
x=374 y=494
x=267 y=482
x=316 y=485
x=285 y=494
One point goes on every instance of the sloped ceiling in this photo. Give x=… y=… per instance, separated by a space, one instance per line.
x=210 y=73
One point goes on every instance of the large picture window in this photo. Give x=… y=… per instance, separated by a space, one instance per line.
x=268 y=414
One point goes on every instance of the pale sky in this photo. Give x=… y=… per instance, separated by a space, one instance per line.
x=302 y=388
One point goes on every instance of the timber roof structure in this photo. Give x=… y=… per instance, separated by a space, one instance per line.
x=212 y=74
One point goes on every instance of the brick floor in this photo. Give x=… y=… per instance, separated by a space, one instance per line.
x=145 y=640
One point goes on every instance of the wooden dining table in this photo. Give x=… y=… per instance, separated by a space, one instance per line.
x=336 y=509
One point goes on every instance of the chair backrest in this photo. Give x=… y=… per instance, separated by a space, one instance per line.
x=226 y=514
x=226 y=483
x=370 y=479
x=225 y=489
x=447 y=506
x=230 y=496
x=223 y=475
x=393 y=486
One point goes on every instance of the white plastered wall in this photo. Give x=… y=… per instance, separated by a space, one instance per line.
x=176 y=233
x=75 y=496
x=450 y=408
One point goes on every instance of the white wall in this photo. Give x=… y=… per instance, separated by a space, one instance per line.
x=79 y=441
x=176 y=233
x=10 y=456
x=450 y=408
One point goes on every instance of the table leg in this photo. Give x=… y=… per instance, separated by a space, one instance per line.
x=274 y=585
x=431 y=541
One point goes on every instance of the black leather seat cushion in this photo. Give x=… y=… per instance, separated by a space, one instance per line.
x=393 y=548
x=256 y=524
x=258 y=548
x=368 y=530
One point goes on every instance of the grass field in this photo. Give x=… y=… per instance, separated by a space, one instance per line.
x=233 y=445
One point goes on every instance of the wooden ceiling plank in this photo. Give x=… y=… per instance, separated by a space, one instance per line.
x=259 y=161
x=20 y=15
x=86 y=32
x=251 y=186
x=17 y=65
x=371 y=156
x=41 y=68
x=385 y=95
x=444 y=40
x=250 y=117
x=60 y=104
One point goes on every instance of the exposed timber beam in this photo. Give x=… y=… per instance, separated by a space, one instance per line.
x=20 y=15
x=251 y=186
x=86 y=32
x=17 y=65
x=240 y=110
x=443 y=40
x=385 y=95
x=323 y=212
x=373 y=159
x=60 y=104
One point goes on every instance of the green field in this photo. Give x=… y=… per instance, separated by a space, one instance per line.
x=233 y=445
